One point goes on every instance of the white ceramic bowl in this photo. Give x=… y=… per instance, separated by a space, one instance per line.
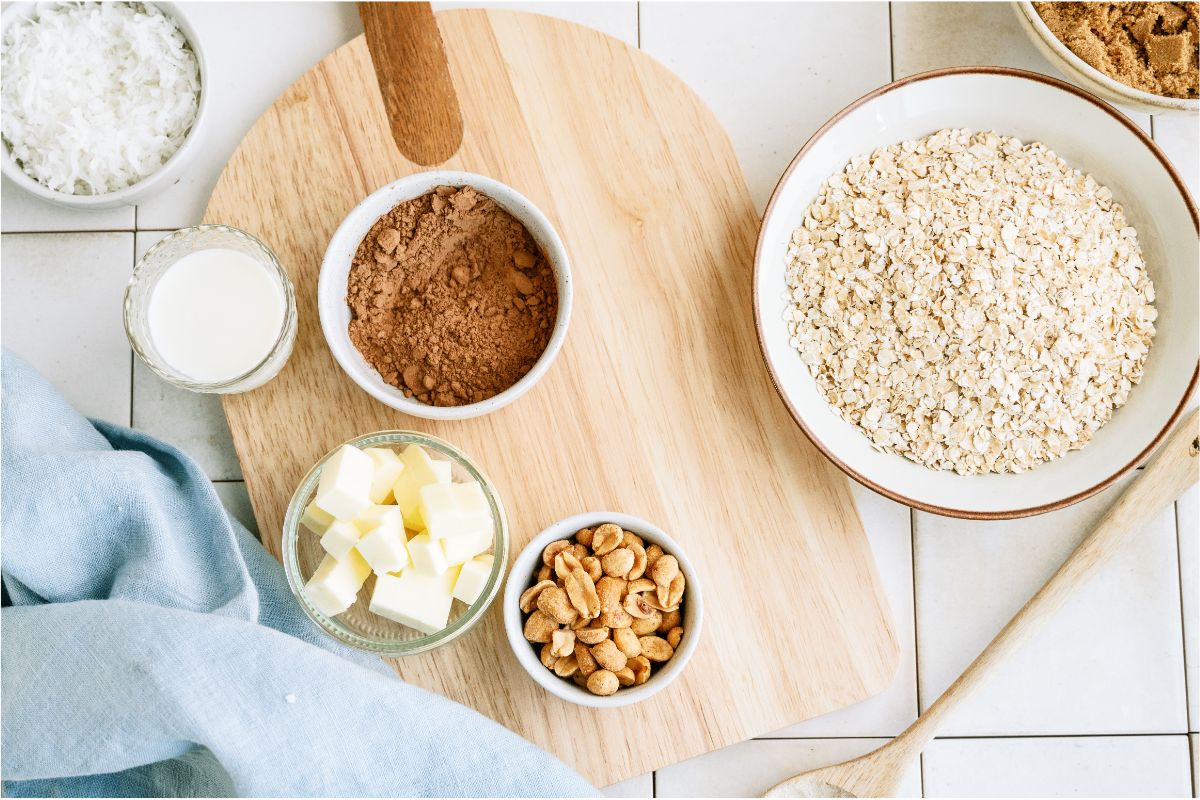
x=335 y=272
x=1091 y=136
x=164 y=176
x=521 y=577
x=1088 y=76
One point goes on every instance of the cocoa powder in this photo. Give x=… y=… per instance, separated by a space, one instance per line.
x=451 y=299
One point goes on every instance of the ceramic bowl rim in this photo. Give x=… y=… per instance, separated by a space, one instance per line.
x=156 y=180
x=364 y=214
x=519 y=580
x=794 y=411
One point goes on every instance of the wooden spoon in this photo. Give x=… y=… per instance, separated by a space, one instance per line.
x=877 y=774
x=414 y=79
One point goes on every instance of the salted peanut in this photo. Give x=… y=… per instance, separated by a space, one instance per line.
x=664 y=571
x=675 y=595
x=671 y=619
x=625 y=676
x=611 y=590
x=591 y=565
x=609 y=656
x=539 y=627
x=673 y=637
x=579 y=623
x=656 y=648
x=657 y=598
x=587 y=662
x=554 y=603
x=591 y=636
x=579 y=678
x=581 y=551
x=639 y=585
x=566 y=667
x=582 y=591
x=637 y=606
x=561 y=567
x=640 y=666
x=617 y=563
x=627 y=642
x=562 y=643
x=528 y=601
x=631 y=538
x=545 y=574
x=653 y=554
x=608 y=537
x=553 y=549
x=639 y=562
x=548 y=658
x=584 y=537
x=647 y=626
x=602 y=682
x=617 y=618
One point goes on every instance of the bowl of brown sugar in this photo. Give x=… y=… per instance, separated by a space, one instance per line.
x=445 y=295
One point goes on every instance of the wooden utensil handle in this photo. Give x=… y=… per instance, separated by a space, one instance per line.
x=414 y=79
x=1172 y=470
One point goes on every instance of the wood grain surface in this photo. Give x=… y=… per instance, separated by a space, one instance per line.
x=414 y=79
x=658 y=405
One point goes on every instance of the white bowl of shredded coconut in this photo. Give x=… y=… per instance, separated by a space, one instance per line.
x=100 y=103
x=975 y=290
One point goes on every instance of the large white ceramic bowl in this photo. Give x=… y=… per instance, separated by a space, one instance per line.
x=335 y=272
x=523 y=574
x=166 y=175
x=1091 y=136
x=1089 y=77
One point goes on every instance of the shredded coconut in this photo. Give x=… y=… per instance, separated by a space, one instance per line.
x=96 y=96
x=969 y=301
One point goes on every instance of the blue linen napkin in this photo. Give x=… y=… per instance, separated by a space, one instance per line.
x=152 y=647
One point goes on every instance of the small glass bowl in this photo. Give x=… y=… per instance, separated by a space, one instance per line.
x=357 y=626
x=158 y=259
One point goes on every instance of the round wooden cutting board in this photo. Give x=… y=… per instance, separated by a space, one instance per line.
x=658 y=405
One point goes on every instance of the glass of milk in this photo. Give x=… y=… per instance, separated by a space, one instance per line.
x=210 y=309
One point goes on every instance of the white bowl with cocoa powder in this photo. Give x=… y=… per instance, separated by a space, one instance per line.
x=341 y=283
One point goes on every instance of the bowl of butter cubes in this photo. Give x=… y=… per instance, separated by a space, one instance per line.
x=395 y=543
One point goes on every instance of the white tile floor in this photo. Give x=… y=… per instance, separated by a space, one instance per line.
x=1100 y=703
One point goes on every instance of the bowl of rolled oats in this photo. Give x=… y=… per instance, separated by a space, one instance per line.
x=975 y=290
x=603 y=609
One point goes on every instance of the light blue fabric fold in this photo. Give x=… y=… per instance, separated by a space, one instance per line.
x=152 y=647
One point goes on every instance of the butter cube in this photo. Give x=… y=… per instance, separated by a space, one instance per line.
x=465 y=546
x=471 y=498
x=419 y=470
x=388 y=467
x=419 y=601
x=427 y=555
x=446 y=516
x=472 y=578
x=334 y=586
x=375 y=516
x=340 y=538
x=345 y=486
x=315 y=519
x=384 y=545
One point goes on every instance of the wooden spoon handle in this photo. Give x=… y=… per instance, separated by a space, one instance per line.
x=1169 y=473
x=414 y=79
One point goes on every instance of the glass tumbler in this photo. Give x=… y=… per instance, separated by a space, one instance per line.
x=154 y=264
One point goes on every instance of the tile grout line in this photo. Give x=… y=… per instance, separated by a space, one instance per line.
x=90 y=231
x=972 y=736
x=637 y=9
x=653 y=772
x=1187 y=688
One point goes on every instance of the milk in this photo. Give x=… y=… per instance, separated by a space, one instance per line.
x=215 y=314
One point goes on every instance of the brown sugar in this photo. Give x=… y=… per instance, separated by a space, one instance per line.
x=1149 y=46
x=451 y=299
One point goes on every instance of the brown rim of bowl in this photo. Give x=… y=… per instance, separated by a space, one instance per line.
x=908 y=501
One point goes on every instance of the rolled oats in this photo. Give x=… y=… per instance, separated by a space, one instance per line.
x=969 y=301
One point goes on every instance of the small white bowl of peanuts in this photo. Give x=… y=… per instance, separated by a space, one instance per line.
x=603 y=609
